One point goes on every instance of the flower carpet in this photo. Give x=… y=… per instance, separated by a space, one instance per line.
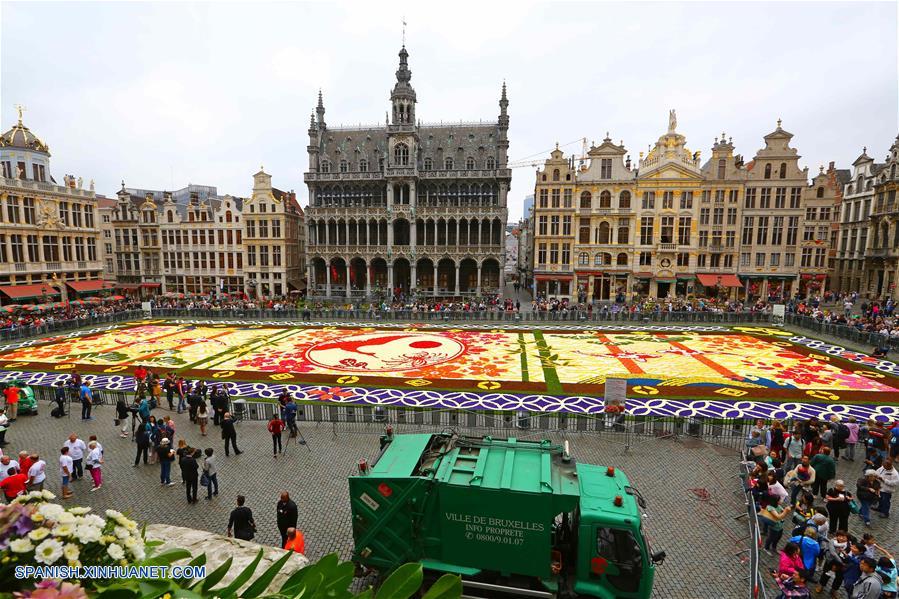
x=548 y=368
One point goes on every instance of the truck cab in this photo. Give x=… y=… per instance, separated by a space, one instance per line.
x=511 y=517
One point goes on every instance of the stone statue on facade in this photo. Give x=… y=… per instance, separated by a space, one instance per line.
x=672 y=121
x=92 y=185
x=80 y=182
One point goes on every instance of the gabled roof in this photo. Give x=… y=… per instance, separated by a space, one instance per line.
x=863 y=158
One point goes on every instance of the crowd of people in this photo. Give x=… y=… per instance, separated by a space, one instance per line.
x=872 y=316
x=33 y=318
x=792 y=477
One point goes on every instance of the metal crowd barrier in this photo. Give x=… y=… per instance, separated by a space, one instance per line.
x=466 y=316
x=757 y=579
x=25 y=332
x=842 y=331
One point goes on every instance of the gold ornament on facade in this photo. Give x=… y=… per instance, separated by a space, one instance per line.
x=48 y=215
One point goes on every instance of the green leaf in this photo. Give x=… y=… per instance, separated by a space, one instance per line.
x=167 y=557
x=154 y=588
x=296 y=579
x=340 y=578
x=448 y=586
x=241 y=579
x=185 y=594
x=260 y=584
x=117 y=592
x=214 y=577
x=200 y=560
x=404 y=581
x=367 y=594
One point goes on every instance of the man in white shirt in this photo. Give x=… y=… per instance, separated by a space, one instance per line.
x=5 y=464
x=65 y=471
x=37 y=474
x=77 y=448
x=889 y=482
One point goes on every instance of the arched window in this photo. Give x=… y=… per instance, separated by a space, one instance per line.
x=228 y=216
x=429 y=164
x=604 y=233
x=326 y=166
x=491 y=163
x=605 y=199
x=722 y=165
x=768 y=171
x=783 y=170
x=555 y=174
x=860 y=185
x=448 y=163
x=622 y=260
x=170 y=217
x=401 y=154
x=363 y=166
x=469 y=163
x=544 y=176
x=819 y=193
x=597 y=260
x=586 y=200
x=583 y=259
x=343 y=166
x=624 y=200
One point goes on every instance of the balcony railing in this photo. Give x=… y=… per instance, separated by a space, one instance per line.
x=667 y=247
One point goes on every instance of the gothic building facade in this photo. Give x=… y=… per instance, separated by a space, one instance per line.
x=412 y=208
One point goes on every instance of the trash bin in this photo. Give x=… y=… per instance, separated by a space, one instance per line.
x=239 y=406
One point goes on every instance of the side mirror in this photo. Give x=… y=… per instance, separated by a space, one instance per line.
x=658 y=557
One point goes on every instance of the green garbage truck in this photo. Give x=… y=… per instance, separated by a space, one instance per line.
x=511 y=517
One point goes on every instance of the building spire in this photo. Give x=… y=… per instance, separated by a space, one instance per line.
x=503 y=101
x=20 y=110
x=320 y=109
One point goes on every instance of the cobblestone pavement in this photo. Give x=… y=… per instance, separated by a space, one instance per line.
x=691 y=488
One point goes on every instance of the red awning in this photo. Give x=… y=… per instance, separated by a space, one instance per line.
x=24 y=291
x=819 y=277
x=127 y=285
x=151 y=285
x=588 y=273
x=90 y=285
x=553 y=277
x=725 y=280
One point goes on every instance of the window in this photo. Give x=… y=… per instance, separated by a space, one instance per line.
x=566 y=198
x=706 y=196
x=783 y=170
x=401 y=155
x=667 y=229
x=344 y=167
x=733 y=196
x=683 y=259
x=646 y=230
x=768 y=171
x=762 y=236
x=793 y=231
x=604 y=233
x=469 y=163
x=703 y=239
x=718 y=216
x=683 y=230
x=624 y=199
x=795 y=197
x=263 y=229
x=780 y=197
x=566 y=226
x=566 y=254
x=686 y=200
x=731 y=216
x=774 y=259
x=789 y=259
x=491 y=163
x=541 y=253
x=649 y=200
x=777 y=231
x=326 y=166
x=276 y=228
x=263 y=255
x=605 y=199
x=28 y=209
x=12 y=210
x=700 y=260
x=811 y=214
x=448 y=163
x=806 y=258
x=748 y=222
x=668 y=200
x=719 y=196
x=645 y=258
x=722 y=166
x=605 y=168
x=544 y=198
x=586 y=200
x=623 y=231
x=745 y=258
x=541 y=225
x=554 y=225
x=621 y=260
x=554 y=253
x=760 y=259
x=555 y=174
x=584 y=231
x=276 y=255
x=555 y=198
x=428 y=164
x=730 y=239
x=64 y=212
x=704 y=216
x=251 y=228
x=583 y=259
x=825 y=213
x=363 y=165
x=749 y=199
x=765 y=199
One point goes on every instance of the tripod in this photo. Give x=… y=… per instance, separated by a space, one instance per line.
x=295 y=435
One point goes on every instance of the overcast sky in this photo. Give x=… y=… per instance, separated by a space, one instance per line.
x=165 y=94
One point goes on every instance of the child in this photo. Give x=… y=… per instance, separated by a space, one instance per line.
x=790 y=560
x=886 y=569
x=852 y=569
x=793 y=586
x=834 y=556
x=870 y=545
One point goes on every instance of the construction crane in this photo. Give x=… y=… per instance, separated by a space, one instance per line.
x=535 y=160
